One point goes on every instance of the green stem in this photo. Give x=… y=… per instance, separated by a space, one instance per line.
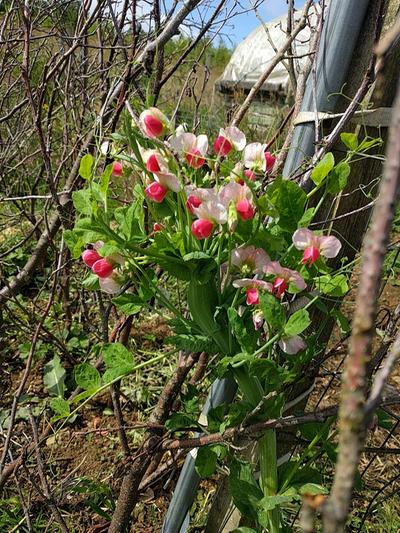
x=253 y=391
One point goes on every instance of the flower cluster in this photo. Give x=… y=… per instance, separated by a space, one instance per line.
x=212 y=187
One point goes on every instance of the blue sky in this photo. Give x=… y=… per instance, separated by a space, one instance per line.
x=268 y=10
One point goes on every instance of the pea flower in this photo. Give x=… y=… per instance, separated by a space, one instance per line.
x=249 y=259
x=269 y=160
x=110 y=284
x=153 y=123
x=158 y=166
x=209 y=213
x=196 y=196
x=116 y=169
x=258 y=319
x=90 y=256
x=193 y=148
x=228 y=139
x=315 y=245
x=252 y=287
x=291 y=345
x=283 y=276
x=102 y=268
x=240 y=196
x=156 y=192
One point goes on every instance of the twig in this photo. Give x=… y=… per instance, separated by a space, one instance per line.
x=351 y=417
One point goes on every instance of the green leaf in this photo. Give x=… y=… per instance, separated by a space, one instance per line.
x=119 y=361
x=193 y=343
x=74 y=243
x=297 y=323
x=129 y=304
x=272 y=310
x=312 y=489
x=323 y=168
x=333 y=286
x=206 y=462
x=82 y=201
x=87 y=377
x=244 y=530
x=131 y=220
x=267 y=504
x=91 y=282
x=180 y=421
x=246 y=493
x=341 y=321
x=289 y=200
x=246 y=340
x=54 y=377
x=305 y=220
x=338 y=178
x=104 y=182
x=350 y=140
x=60 y=406
x=85 y=167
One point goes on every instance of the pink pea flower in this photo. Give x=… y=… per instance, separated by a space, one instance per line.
x=283 y=276
x=90 y=256
x=102 y=268
x=193 y=202
x=292 y=345
x=158 y=166
x=110 y=284
x=315 y=245
x=254 y=157
x=269 y=161
x=240 y=196
x=209 y=213
x=202 y=228
x=193 y=148
x=252 y=287
x=258 y=320
x=250 y=174
x=228 y=139
x=156 y=192
x=153 y=122
x=249 y=259
x=116 y=169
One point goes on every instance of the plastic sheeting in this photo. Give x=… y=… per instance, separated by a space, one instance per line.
x=252 y=56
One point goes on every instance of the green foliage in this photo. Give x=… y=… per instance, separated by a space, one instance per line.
x=297 y=323
x=54 y=377
x=322 y=169
x=119 y=361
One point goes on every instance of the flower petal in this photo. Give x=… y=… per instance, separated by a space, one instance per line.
x=303 y=238
x=109 y=285
x=236 y=137
x=329 y=246
x=292 y=345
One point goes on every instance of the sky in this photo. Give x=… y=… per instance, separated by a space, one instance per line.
x=246 y=23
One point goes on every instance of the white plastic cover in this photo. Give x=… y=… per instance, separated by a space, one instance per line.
x=252 y=56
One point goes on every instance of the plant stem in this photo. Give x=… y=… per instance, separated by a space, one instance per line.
x=253 y=391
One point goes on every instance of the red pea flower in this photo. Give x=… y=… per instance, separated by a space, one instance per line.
x=116 y=169
x=315 y=245
x=245 y=210
x=193 y=202
x=89 y=257
x=202 y=228
x=269 y=160
x=153 y=122
x=102 y=268
x=156 y=192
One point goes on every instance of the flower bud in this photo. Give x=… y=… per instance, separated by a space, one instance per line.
x=116 y=169
x=202 y=228
x=195 y=158
x=245 y=210
x=155 y=192
x=279 y=287
x=252 y=296
x=270 y=160
x=102 y=268
x=153 y=122
x=250 y=175
x=192 y=202
x=157 y=227
x=222 y=146
x=152 y=164
x=89 y=257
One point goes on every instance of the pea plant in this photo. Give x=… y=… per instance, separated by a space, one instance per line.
x=162 y=204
